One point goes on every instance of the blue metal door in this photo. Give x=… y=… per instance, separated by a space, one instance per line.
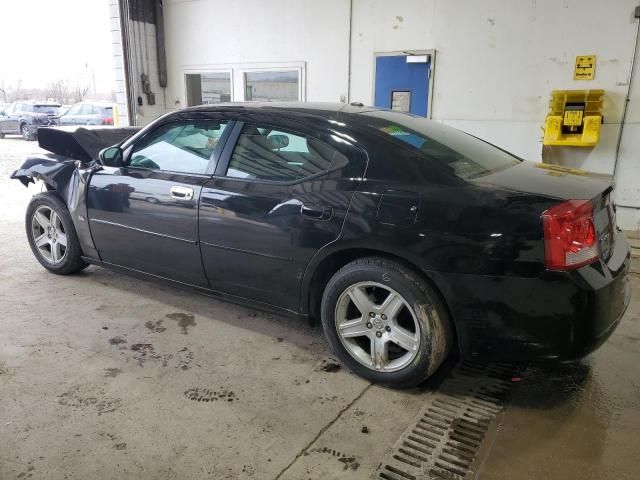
x=403 y=84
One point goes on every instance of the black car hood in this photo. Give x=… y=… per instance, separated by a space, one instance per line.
x=549 y=181
x=81 y=143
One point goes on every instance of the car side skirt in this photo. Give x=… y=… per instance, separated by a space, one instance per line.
x=266 y=307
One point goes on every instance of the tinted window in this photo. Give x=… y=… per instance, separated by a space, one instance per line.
x=48 y=109
x=86 y=109
x=267 y=154
x=178 y=147
x=465 y=156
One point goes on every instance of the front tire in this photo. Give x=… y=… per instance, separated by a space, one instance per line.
x=52 y=236
x=385 y=322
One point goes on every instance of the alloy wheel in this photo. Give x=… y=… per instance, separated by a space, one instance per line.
x=48 y=234
x=377 y=326
x=25 y=132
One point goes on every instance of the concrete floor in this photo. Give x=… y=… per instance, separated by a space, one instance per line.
x=105 y=376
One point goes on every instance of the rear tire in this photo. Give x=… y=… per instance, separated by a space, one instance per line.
x=26 y=134
x=404 y=333
x=52 y=236
x=1 y=135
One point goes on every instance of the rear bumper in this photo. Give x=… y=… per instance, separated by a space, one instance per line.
x=558 y=315
x=33 y=127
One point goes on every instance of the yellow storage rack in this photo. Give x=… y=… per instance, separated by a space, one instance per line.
x=574 y=118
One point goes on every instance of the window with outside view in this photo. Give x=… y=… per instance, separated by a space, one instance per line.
x=272 y=86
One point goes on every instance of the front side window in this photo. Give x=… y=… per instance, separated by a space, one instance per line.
x=74 y=110
x=184 y=147
x=86 y=109
x=264 y=153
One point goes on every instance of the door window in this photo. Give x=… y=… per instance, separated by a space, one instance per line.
x=86 y=109
x=74 y=110
x=184 y=147
x=263 y=153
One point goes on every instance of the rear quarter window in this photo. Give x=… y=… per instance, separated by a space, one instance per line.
x=463 y=155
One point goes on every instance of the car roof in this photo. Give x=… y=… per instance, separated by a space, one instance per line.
x=328 y=110
x=38 y=104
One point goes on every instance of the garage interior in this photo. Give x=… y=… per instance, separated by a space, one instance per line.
x=106 y=376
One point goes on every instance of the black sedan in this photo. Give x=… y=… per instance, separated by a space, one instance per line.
x=408 y=239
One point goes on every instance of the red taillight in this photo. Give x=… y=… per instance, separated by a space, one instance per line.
x=570 y=239
x=107 y=121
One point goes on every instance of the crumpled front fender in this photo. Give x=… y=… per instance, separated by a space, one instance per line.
x=70 y=179
x=54 y=170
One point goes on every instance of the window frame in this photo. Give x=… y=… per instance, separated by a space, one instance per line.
x=238 y=70
x=297 y=70
x=213 y=159
x=225 y=159
x=205 y=71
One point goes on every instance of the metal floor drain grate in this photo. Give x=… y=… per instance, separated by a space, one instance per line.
x=444 y=441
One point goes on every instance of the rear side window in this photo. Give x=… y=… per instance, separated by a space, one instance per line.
x=264 y=153
x=461 y=154
x=184 y=147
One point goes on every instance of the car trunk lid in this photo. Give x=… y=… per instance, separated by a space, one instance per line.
x=82 y=143
x=563 y=184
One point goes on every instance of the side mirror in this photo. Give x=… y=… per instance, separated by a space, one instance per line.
x=111 y=157
x=276 y=142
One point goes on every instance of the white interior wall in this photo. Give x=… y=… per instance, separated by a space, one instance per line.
x=496 y=61
x=217 y=34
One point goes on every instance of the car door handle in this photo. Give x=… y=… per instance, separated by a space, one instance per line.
x=181 y=193
x=316 y=212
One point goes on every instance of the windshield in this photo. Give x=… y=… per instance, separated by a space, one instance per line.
x=465 y=155
x=48 y=109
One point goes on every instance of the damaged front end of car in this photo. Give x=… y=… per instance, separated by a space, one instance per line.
x=67 y=168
